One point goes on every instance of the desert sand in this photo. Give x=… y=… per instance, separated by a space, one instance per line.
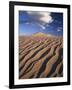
x=40 y=56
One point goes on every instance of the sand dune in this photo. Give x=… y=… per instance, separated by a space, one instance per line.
x=40 y=57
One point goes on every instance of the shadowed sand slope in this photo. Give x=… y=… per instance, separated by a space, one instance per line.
x=40 y=56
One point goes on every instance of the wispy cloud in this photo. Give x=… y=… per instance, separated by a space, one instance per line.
x=27 y=23
x=59 y=29
x=41 y=26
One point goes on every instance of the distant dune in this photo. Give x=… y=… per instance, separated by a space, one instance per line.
x=40 y=56
x=40 y=34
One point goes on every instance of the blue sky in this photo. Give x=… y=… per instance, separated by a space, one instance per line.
x=31 y=22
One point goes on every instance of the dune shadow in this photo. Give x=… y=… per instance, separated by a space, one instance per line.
x=56 y=63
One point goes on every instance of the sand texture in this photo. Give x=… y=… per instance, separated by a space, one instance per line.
x=40 y=56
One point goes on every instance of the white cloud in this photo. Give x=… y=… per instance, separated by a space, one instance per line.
x=59 y=29
x=42 y=27
x=44 y=17
x=27 y=23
